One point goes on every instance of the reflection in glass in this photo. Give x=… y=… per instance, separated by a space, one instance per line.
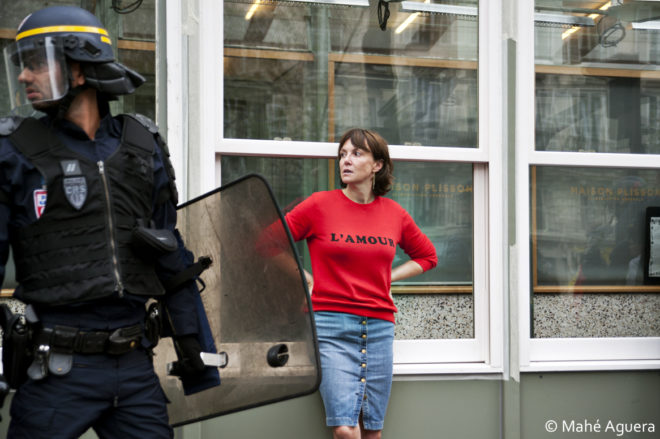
x=439 y=197
x=143 y=101
x=408 y=105
x=597 y=114
x=588 y=223
x=598 y=84
x=267 y=99
x=588 y=235
x=308 y=72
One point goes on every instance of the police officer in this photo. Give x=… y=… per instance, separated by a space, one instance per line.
x=87 y=203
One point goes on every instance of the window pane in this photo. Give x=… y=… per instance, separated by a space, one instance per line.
x=588 y=246
x=137 y=49
x=597 y=76
x=437 y=304
x=408 y=105
x=309 y=71
x=143 y=101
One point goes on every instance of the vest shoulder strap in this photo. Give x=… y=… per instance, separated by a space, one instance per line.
x=137 y=134
x=33 y=139
x=142 y=132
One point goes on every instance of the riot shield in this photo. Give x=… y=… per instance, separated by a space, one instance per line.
x=256 y=302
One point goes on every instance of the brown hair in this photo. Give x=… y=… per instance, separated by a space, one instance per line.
x=372 y=142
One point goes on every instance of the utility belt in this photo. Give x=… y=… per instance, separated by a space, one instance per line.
x=54 y=347
x=70 y=340
x=32 y=350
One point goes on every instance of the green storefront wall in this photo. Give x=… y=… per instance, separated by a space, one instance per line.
x=583 y=405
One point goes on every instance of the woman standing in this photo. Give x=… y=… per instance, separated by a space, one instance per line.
x=352 y=234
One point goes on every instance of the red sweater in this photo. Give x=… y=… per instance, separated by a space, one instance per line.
x=352 y=247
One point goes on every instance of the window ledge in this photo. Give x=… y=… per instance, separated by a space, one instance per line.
x=427 y=370
x=584 y=366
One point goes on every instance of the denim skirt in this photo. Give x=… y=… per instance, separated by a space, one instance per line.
x=356 y=368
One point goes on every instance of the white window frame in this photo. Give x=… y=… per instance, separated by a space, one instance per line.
x=190 y=32
x=561 y=354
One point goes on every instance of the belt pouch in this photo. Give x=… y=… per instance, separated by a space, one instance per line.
x=62 y=341
x=17 y=354
x=39 y=367
x=59 y=363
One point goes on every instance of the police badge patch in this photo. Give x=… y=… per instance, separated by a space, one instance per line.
x=40 y=196
x=75 y=189
x=75 y=184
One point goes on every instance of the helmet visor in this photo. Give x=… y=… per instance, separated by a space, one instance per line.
x=36 y=72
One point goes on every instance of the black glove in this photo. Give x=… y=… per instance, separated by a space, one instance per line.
x=190 y=362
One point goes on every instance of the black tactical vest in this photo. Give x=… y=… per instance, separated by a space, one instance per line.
x=80 y=248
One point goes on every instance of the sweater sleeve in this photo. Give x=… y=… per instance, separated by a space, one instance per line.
x=299 y=220
x=416 y=244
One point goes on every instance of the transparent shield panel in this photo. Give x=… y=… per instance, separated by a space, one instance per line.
x=437 y=304
x=597 y=76
x=310 y=70
x=256 y=302
x=590 y=240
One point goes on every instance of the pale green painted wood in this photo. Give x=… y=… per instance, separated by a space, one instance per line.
x=459 y=409
x=620 y=397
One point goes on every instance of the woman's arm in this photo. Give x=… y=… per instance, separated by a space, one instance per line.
x=406 y=270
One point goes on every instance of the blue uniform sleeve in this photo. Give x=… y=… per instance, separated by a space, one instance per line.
x=184 y=306
x=5 y=212
x=18 y=179
x=181 y=304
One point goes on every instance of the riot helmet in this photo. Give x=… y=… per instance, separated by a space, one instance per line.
x=46 y=41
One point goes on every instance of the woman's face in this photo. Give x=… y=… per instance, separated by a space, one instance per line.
x=356 y=165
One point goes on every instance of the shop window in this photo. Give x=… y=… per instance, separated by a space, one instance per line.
x=297 y=75
x=597 y=91
x=298 y=71
x=597 y=77
x=587 y=128
x=589 y=250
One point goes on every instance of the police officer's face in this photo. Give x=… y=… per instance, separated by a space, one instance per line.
x=42 y=80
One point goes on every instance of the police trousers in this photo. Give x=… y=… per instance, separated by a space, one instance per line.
x=116 y=396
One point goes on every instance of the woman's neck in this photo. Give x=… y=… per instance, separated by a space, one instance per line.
x=361 y=194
